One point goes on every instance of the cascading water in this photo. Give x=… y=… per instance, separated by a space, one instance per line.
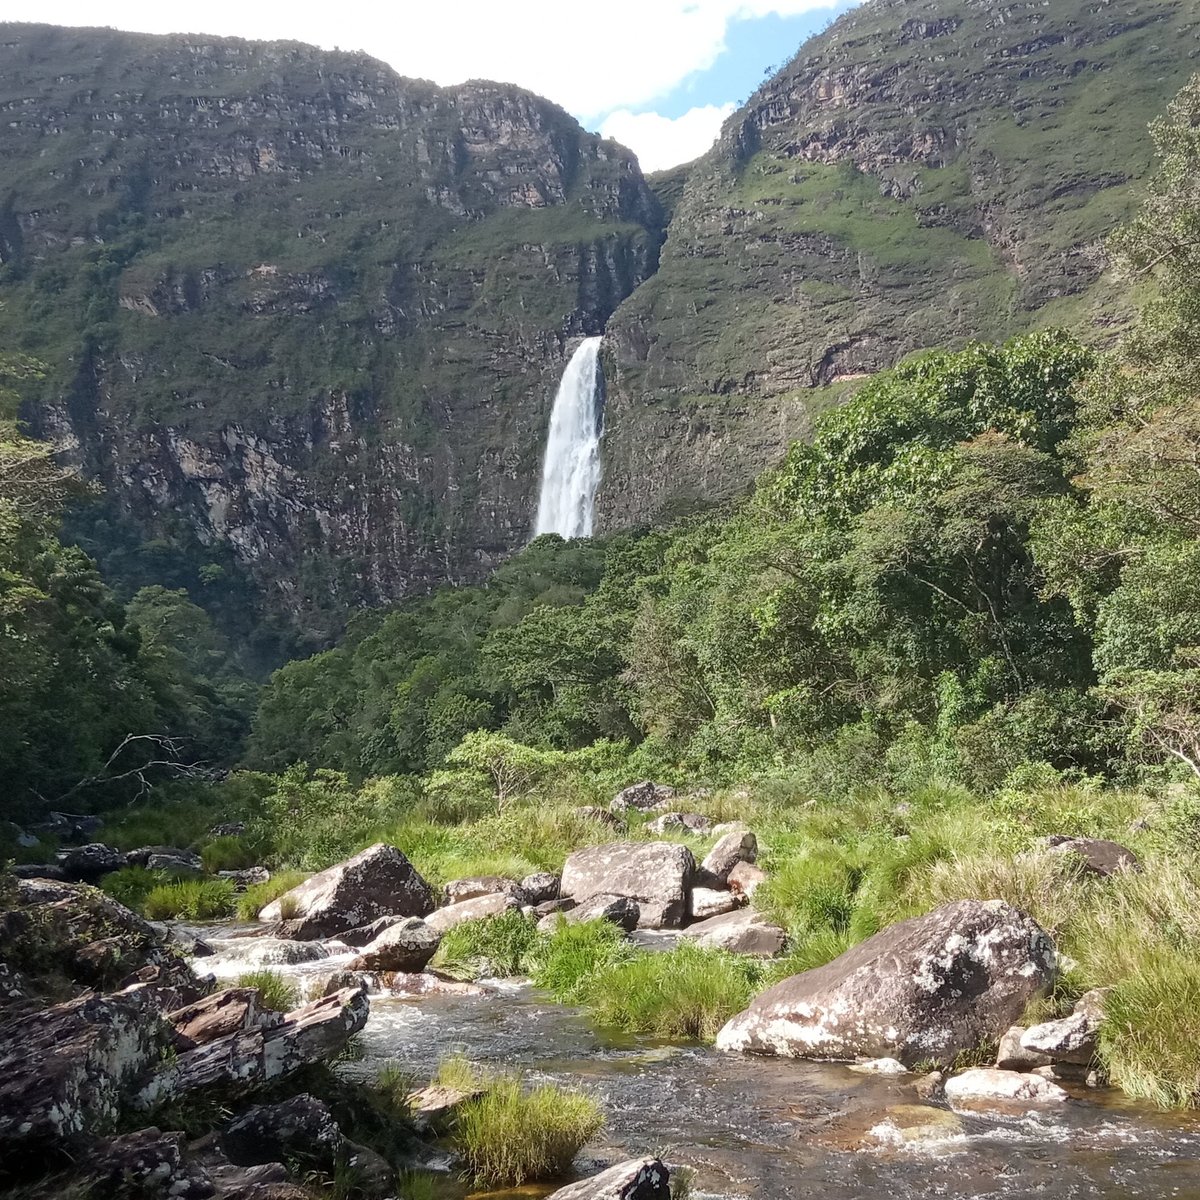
x=571 y=472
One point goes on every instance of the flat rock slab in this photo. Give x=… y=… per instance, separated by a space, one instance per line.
x=377 y=882
x=987 y=1089
x=234 y=1010
x=458 y=890
x=447 y=918
x=923 y=990
x=657 y=875
x=638 y=1179
x=1099 y=857
x=742 y=931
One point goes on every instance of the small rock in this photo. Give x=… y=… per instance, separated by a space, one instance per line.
x=985 y=1088
x=365 y=934
x=269 y=952
x=733 y=848
x=540 y=887
x=1072 y=1039
x=638 y=1179
x=49 y=871
x=643 y=797
x=690 y=822
x=87 y=864
x=458 y=890
x=247 y=877
x=879 y=1066
x=434 y=1107
x=406 y=946
x=619 y=910
x=590 y=812
x=1012 y=1056
x=931 y=1086
x=745 y=879
x=709 y=902
x=740 y=932
x=1100 y=857
x=447 y=918
x=228 y=829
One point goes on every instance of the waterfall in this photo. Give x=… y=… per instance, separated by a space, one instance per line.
x=571 y=472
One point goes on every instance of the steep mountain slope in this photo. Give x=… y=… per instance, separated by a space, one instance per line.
x=923 y=172
x=303 y=317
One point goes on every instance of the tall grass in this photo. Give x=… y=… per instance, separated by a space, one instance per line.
x=277 y=992
x=227 y=854
x=191 y=900
x=258 y=895
x=131 y=885
x=565 y=961
x=499 y=946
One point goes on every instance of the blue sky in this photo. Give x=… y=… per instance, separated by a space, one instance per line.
x=659 y=75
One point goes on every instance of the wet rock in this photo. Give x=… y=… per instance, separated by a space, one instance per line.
x=916 y=1124
x=739 y=846
x=1099 y=857
x=745 y=879
x=658 y=875
x=879 y=1066
x=233 y=1010
x=253 y=953
x=709 y=902
x=617 y=910
x=743 y=931
x=246 y=878
x=470 y=910
x=405 y=946
x=65 y=1070
x=642 y=797
x=931 y=1086
x=366 y=934
x=1072 y=1039
x=638 y=1179
x=458 y=890
x=48 y=871
x=986 y=1088
x=684 y=822
x=399 y=983
x=540 y=887
x=240 y=1062
x=1012 y=1056
x=925 y=989
x=87 y=864
x=378 y=882
x=147 y=1163
x=590 y=812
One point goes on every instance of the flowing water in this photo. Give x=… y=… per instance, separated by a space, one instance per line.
x=770 y=1129
x=571 y=470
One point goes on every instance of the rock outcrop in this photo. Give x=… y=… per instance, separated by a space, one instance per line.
x=920 y=991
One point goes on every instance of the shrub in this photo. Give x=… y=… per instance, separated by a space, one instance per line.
x=258 y=895
x=191 y=899
x=688 y=992
x=499 y=946
x=227 y=854
x=564 y=961
x=508 y=1136
x=277 y=992
x=131 y=885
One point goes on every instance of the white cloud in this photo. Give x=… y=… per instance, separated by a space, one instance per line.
x=660 y=141
x=591 y=59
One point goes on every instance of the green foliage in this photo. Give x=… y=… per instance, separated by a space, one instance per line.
x=190 y=900
x=566 y=960
x=277 y=992
x=131 y=885
x=227 y=854
x=493 y=946
x=258 y=895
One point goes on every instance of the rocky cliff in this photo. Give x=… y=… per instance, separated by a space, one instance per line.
x=924 y=172
x=304 y=318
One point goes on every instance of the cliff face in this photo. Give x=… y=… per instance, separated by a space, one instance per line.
x=924 y=172
x=310 y=314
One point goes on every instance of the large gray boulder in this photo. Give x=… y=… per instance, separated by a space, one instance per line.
x=658 y=875
x=406 y=946
x=740 y=932
x=377 y=882
x=638 y=1179
x=923 y=990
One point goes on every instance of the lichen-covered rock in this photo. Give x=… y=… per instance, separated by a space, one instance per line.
x=233 y=1010
x=239 y=1062
x=406 y=946
x=147 y=1163
x=256 y=952
x=685 y=822
x=638 y=1179
x=541 y=887
x=366 y=934
x=377 y=882
x=458 y=890
x=1072 y=1039
x=245 y=878
x=658 y=875
x=301 y=1128
x=447 y=918
x=1099 y=856
x=65 y=1070
x=643 y=797
x=986 y=1088
x=743 y=931
x=738 y=846
x=925 y=989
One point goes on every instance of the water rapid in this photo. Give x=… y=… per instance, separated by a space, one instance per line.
x=571 y=471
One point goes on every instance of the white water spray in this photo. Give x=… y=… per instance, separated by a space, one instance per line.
x=571 y=472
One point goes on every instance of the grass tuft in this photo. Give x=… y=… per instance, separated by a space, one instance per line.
x=191 y=900
x=258 y=895
x=499 y=946
x=565 y=961
x=277 y=993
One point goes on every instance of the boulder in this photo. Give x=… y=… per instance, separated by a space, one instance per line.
x=458 y=890
x=745 y=879
x=985 y=1089
x=397 y=983
x=65 y=1070
x=925 y=989
x=165 y=858
x=540 y=887
x=1099 y=857
x=738 y=846
x=365 y=934
x=378 y=882
x=658 y=875
x=49 y=871
x=233 y=1010
x=684 y=822
x=145 y=1163
x=638 y=1179
x=741 y=932
x=253 y=953
x=246 y=878
x=241 y=1062
x=70 y=826
x=405 y=946
x=301 y=1128
x=1012 y=1056
x=643 y=797
x=709 y=902
x=228 y=829
x=86 y=864
x=1072 y=1039
x=618 y=910
x=470 y=910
